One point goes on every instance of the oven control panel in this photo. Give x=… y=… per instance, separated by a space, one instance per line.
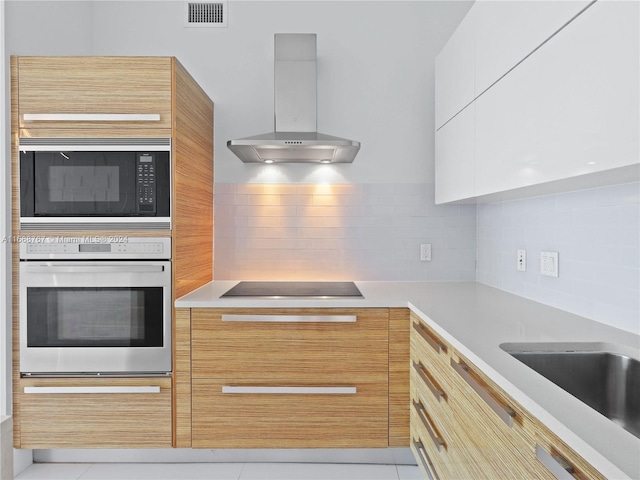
x=96 y=247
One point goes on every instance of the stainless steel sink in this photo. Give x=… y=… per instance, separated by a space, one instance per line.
x=607 y=381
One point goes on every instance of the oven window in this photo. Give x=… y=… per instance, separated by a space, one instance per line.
x=94 y=317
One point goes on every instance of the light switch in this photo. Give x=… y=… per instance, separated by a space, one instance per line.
x=425 y=252
x=549 y=264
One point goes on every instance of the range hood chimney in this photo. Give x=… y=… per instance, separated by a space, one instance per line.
x=295 y=139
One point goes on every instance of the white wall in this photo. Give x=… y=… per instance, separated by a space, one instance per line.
x=48 y=27
x=596 y=233
x=375 y=85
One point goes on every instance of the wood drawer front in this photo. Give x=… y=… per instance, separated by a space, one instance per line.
x=233 y=420
x=506 y=451
x=430 y=346
x=560 y=453
x=458 y=458
x=96 y=420
x=94 y=85
x=431 y=463
x=288 y=351
x=432 y=423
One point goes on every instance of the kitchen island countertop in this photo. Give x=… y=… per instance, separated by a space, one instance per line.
x=476 y=320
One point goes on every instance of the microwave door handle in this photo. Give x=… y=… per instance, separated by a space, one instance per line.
x=93 y=268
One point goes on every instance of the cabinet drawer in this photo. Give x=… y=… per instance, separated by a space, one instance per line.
x=428 y=347
x=95 y=413
x=429 y=461
x=94 y=85
x=288 y=415
x=491 y=420
x=294 y=349
x=555 y=460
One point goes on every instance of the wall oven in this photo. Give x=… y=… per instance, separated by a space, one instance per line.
x=95 y=184
x=95 y=306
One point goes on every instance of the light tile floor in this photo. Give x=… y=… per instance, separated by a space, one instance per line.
x=218 y=471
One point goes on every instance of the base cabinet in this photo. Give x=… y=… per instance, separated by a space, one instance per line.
x=95 y=413
x=464 y=426
x=290 y=378
x=265 y=414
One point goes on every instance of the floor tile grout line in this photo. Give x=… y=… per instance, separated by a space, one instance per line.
x=244 y=464
x=89 y=466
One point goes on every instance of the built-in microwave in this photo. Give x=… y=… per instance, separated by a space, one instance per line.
x=95 y=184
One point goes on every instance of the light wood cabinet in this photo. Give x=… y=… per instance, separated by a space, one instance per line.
x=95 y=413
x=464 y=426
x=290 y=378
x=398 y=377
x=107 y=94
x=133 y=97
x=265 y=413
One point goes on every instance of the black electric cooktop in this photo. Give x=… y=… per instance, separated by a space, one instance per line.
x=295 y=290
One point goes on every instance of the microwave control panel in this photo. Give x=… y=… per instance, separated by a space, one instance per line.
x=146 y=183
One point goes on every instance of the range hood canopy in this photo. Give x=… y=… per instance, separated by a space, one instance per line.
x=295 y=139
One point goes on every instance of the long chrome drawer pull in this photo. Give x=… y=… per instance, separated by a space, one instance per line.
x=291 y=390
x=505 y=413
x=424 y=459
x=91 y=117
x=557 y=465
x=433 y=343
x=437 y=391
x=289 y=318
x=65 y=390
x=422 y=413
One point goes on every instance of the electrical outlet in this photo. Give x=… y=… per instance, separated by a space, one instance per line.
x=522 y=260
x=425 y=252
x=549 y=264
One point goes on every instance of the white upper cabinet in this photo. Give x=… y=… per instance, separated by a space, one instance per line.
x=571 y=108
x=455 y=165
x=556 y=100
x=455 y=71
x=492 y=38
x=507 y=31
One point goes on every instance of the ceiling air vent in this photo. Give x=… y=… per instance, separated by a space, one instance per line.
x=206 y=14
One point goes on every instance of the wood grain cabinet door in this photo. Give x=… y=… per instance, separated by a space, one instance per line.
x=111 y=95
x=290 y=378
x=316 y=345
x=260 y=413
x=95 y=413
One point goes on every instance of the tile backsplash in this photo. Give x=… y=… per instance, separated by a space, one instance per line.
x=597 y=235
x=340 y=232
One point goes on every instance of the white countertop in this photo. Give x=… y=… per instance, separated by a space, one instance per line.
x=476 y=319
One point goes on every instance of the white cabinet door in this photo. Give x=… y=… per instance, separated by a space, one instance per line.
x=455 y=162
x=455 y=71
x=571 y=108
x=507 y=31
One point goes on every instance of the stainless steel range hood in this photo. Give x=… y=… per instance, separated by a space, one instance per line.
x=295 y=139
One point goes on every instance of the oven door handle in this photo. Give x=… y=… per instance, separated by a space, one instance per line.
x=93 y=268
